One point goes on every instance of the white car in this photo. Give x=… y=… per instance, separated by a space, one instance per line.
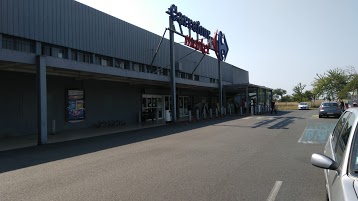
x=340 y=158
x=303 y=106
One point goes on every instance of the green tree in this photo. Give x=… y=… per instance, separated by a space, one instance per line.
x=279 y=92
x=330 y=84
x=352 y=84
x=298 y=92
x=308 y=95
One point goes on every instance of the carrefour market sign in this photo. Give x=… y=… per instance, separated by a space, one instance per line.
x=217 y=43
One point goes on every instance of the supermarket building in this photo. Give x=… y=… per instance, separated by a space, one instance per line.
x=65 y=65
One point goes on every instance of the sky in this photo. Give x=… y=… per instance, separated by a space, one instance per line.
x=281 y=43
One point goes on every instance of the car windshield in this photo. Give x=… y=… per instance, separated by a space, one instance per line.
x=303 y=103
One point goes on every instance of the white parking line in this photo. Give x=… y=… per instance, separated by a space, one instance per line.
x=274 y=191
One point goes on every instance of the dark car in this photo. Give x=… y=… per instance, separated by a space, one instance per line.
x=329 y=109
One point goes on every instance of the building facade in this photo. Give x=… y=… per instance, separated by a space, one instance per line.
x=64 y=65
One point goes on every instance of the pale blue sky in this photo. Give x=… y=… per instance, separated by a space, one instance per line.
x=280 y=42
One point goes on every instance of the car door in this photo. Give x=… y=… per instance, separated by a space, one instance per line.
x=339 y=150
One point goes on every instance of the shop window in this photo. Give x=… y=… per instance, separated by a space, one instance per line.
x=196 y=77
x=81 y=56
x=54 y=51
x=165 y=71
x=154 y=70
x=190 y=76
x=135 y=67
x=141 y=68
x=122 y=64
x=103 y=60
x=18 y=44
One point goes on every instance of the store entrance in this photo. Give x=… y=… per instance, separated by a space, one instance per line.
x=152 y=107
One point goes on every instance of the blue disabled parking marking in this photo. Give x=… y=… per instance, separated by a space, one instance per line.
x=316 y=133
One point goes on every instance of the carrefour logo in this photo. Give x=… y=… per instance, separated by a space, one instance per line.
x=220 y=45
x=217 y=43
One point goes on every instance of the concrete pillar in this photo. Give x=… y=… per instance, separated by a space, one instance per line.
x=41 y=99
x=247 y=100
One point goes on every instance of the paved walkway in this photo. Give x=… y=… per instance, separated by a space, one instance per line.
x=16 y=142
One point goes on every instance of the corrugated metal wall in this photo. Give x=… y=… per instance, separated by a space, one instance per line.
x=71 y=24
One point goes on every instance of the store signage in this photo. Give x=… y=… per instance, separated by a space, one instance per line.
x=217 y=43
x=197 y=44
x=187 y=22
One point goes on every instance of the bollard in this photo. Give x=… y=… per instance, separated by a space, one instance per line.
x=241 y=111
x=211 y=113
x=139 y=117
x=197 y=114
x=189 y=115
x=216 y=112
x=252 y=110
x=204 y=114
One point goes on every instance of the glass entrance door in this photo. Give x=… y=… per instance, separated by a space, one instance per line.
x=152 y=107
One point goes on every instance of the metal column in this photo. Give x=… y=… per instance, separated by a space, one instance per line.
x=247 y=100
x=172 y=70
x=41 y=99
x=220 y=89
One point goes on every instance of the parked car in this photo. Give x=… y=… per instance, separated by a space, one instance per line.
x=340 y=158
x=352 y=103
x=303 y=106
x=329 y=109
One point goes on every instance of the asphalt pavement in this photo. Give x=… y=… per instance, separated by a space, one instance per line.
x=248 y=158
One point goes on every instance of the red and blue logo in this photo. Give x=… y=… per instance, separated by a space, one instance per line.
x=217 y=43
x=220 y=45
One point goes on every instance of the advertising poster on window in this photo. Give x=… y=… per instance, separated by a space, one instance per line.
x=75 y=105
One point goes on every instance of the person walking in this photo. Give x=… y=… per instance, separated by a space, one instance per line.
x=342 y=105
x=273 y=107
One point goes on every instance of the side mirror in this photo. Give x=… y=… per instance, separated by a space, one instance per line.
x=325 y=162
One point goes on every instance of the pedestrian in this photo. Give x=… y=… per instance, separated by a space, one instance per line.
x=342 y=105
x=273 y=107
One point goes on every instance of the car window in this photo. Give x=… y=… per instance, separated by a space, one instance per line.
x=330 y=104
x=338 y=128
x=343 y=138
x=354 y=155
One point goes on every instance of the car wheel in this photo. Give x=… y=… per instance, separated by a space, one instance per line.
x=319 y=116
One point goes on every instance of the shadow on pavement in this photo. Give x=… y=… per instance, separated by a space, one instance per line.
x=30 y=156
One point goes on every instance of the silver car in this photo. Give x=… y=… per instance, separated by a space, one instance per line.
x=340 y=158
x=303 y=106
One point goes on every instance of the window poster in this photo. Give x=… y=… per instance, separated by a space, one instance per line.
x=75 y=105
